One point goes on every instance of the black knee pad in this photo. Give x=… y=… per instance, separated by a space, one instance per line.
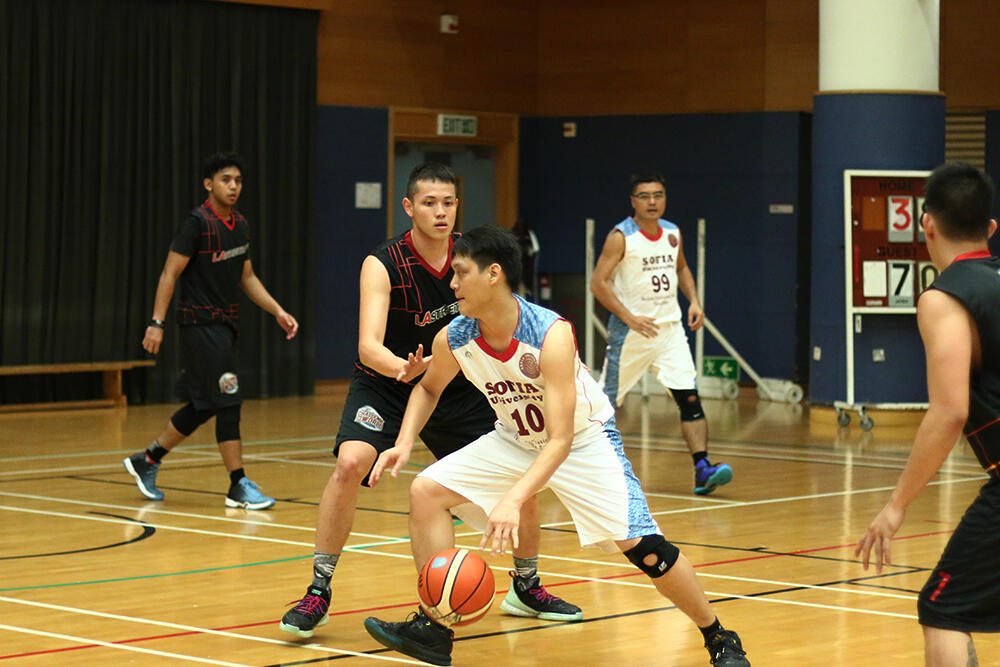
x=227 y=423
x=689 y=404
x=187 y=419
x=666 y=555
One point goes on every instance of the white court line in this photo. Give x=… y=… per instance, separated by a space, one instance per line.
x=154 y=510
x=206 y=631
x=122 y=647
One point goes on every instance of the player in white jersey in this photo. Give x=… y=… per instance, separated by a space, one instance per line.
x=637 y=277
x=555 y=429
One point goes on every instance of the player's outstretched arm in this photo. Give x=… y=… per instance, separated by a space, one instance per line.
x=172 y=268
x=947 y=331
x=600 y=285
x=423 y=399
x=255 y=289
x=558 y=365
x=686 y=284
x=372 y=320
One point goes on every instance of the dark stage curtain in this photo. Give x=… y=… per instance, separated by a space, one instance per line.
x=107 y=111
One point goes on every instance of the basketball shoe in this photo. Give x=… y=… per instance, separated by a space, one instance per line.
x=707 y=477
x=726 y=650
x=308 y=613
x=418 y=637
x=246 y=494
x=144 y=474
x=527 y=597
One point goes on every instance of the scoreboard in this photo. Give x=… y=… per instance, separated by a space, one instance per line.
x=886 y=260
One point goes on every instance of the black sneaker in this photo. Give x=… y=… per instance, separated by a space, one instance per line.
x=726 y=650
x=308 y=613
x=418 y=637
x=527 y=597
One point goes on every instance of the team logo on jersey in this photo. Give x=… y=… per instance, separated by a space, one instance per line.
x=529 y=365
x=672 y=238
x=229 y=383
x=369 y=417
x=432 y=316
x=223 y=255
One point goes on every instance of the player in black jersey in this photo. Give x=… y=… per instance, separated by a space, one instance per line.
x=210 y=257
x=959 y=320
x=406 y=299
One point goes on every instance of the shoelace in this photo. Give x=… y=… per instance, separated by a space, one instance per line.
x=542 y=595
x=310 y=604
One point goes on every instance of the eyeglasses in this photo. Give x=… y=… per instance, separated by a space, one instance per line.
x=654 y=196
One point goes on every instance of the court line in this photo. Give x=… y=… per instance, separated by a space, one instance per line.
x=191 y=445
x=122 y=647
x=191 y=628
x=192 y=515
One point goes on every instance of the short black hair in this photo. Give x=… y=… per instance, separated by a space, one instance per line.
x=645 y=177
x=429 y=171
x=219 y=161
x=960 y=197
x=490 y=244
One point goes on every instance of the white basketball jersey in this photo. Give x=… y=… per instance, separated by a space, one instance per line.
x=513 y=382
x=645 y=280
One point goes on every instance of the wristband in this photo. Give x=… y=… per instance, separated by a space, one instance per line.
x=156 y=323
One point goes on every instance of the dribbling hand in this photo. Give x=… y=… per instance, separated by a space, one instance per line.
x=502 y=528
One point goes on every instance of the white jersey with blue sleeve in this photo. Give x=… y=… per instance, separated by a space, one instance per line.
x=513 y=382
x=645 y=280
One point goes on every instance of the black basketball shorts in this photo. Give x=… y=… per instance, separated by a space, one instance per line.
x=373 y=413
x=963 y=591
x=208 y=366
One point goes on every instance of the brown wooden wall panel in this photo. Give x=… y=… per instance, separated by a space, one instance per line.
x=391 y=53
x=970 y=60
x=562 y=57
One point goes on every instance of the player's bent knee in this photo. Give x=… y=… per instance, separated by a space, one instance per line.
x=227 y=423
x=688 y=403
x=653 y=555
x=187 y=419
x=354 y=462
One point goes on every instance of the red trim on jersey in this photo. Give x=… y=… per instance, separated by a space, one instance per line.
x=507 y=354
x=975 y=254
x=430 y=269
x=659 y=231
x=232 y=217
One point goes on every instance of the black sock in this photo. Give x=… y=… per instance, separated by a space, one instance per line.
x=155 y=452
x=711 y=630
x=698 y=456
x=236 y=475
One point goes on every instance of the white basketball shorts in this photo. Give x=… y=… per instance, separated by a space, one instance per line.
x=629 y=354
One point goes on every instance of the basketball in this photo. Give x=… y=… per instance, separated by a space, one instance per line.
x=455 y=587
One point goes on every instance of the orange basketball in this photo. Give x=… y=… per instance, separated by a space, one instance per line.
x=455 y=587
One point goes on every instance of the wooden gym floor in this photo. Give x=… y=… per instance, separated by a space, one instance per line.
x=93 y=574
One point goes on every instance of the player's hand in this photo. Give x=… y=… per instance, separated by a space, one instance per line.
x=696 y=316
x=502 y=527
x=879 y=535
x=642 y=325
x=394 y=459
x=152 y=340
x=416 y=364
x=288 y=323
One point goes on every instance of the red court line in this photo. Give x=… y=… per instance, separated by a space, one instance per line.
x=412 y=604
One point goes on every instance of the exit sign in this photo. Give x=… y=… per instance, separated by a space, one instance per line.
x=456 y=126
x=720 y=367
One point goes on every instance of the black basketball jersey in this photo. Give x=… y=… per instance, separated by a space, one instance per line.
x=209 y=284
x=974 y=279
x=421 y=301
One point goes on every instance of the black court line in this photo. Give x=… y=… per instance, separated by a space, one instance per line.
x=769 y=552
x=147 y=531
x=546 y=626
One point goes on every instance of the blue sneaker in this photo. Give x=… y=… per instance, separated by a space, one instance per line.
x=144 y=474
x=707 y=477
x=246 y=494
